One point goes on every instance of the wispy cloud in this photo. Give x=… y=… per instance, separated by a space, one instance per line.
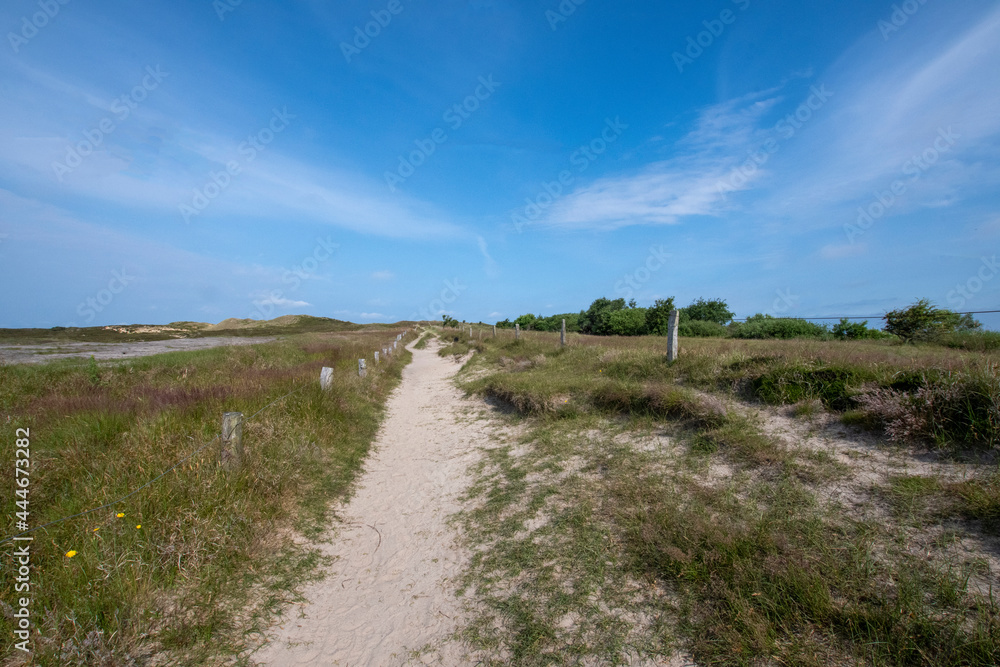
x=687 y=184
x=280 y=302
x=159 y=171
x=383 y=275
x=491 y=268
x=875 y=121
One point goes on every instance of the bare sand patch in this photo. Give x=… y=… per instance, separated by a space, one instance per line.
x=390 y=597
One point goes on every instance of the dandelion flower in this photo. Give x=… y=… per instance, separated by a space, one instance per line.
x=97 y=529
x=121 y=514
x=139 y=526
x=70 y=554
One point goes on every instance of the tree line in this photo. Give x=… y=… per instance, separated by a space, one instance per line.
x=921 y=321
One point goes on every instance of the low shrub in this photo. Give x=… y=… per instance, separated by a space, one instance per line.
x=702 y=329
x=764 y=326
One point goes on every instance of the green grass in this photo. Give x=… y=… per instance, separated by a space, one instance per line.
x=925 y=394
x=592 y=547
x=212 y=561
x=426 y=338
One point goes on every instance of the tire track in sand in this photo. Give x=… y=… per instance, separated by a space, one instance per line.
x=390 y=590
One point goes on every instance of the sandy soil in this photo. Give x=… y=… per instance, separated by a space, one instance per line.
x=390 y=597
x=45 y=352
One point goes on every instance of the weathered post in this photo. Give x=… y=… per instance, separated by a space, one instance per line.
x=326 y=378
x=562 y=335
x=231 y=449
x=494 y=331
x=470 y=332
x=517 y=331
x=376 y=356
x=674 y=320
x=362 y=370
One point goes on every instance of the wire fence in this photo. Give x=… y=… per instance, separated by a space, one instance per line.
x=857 y=317
x=165 y=472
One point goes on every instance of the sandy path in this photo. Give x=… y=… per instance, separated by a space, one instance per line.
x=390 y=591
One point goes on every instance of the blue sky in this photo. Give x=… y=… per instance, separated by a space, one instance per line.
x=199 y=160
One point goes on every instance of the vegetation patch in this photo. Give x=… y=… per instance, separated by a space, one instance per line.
x=194 y=564
x=630 y=476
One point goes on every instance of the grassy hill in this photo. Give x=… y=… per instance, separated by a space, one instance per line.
x=284 y=325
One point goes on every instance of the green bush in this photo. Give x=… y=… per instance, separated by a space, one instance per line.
x=658 y=317
x=974 y=341
x=923 y=322
x=847 y=330
x=702 y=329
x=835 y=386
x=628 y=322
x=765 y=326
x=714 y=310
x=595 y=319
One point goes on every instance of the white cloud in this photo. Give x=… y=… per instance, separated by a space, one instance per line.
x=491 y=266
x=161 y=170
x=372 y=316
x=383 y=275
x=858 y=142
x=278 y=300
x=881 y=117
x=685 y=185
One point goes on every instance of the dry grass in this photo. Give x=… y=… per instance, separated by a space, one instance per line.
x=631 y=477
x=205 y=570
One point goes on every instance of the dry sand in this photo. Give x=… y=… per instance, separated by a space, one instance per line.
x=390 y=596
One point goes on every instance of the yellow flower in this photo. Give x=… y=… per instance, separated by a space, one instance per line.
x=70 y=554
x=139 y=526
x=97 y=529
x=121 y=514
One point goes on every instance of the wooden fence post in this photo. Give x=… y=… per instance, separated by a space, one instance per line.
x=562 y=335
x=362 y=370
x=231 y=450
x=494 y=331
x=326 y=378
x=674 y=320
x=517 y=331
